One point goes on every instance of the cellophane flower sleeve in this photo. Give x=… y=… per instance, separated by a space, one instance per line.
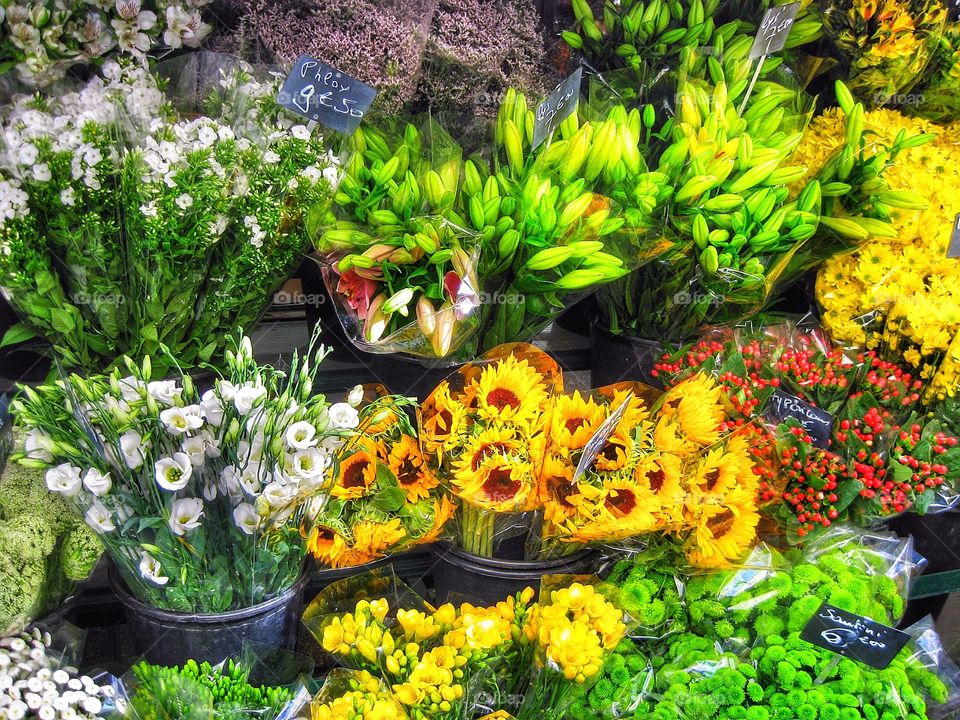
x=483 y=432
x=355 y=691
x=400 y=266
x=264 y=683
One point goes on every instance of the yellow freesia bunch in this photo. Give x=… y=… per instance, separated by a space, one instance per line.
x=902 y=295
x=355 y=695
x=675 y=469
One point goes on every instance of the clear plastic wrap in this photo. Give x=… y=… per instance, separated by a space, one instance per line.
x=483 y=432
x=354 y=691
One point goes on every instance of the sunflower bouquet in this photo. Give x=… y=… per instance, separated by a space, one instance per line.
x=432 y=660
x=573 y=629
x=483 y=432
x=675 y=468
x=385 y=498
x=880 y=454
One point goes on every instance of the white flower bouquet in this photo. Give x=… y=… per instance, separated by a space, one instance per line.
x=42 y=39
x=203 y=500
x=124 y=228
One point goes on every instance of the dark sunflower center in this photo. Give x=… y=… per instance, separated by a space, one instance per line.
x=721 y=524
x=446 y=420
x=408 y=474
x=624 y=502
x=485 y=451
x=353 y=474
x=561 y=488
x=499 y=485
x=574 y=424
x=611 y=451
x=656 y=479
x=712 y=477
x=501 y=398
x=326 y=534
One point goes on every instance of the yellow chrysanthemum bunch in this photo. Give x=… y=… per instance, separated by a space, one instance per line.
x=355 y=695
x=573 y=628
x=901 y=296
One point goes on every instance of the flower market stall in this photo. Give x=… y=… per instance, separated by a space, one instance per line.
x=460 y=360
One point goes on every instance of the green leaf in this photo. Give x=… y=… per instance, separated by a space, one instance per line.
x=389 y=500
x=385 y=478
x=17 y=334
x=62 y=321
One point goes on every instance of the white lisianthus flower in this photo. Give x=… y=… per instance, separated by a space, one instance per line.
x=332 y=444
x=180 y=420
x=344 y=415
x=301 y=435
x=211 y=408
x=150 y=570
x=250 y=479
x=278 y=495
x=185 y=515
x=251 y=451
x=196 y=449
x=130 y=388
x=37 y=446
x=132 y=446
x=246 y=517
x=247 y=396
x=210 y=491
x=230 y=482
x=164 y=391
x=99 y=518
x=99 y=483
x=356 y=396
x=227 y=390
x=64 y=479
x=210 y=447
x=310 y=463
x=173 y=473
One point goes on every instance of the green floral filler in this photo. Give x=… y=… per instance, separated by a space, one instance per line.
x=731 y=646
x=197 y=690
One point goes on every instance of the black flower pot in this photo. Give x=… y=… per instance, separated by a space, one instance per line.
x=165 y=637
x=459 y=575
x=620 y=358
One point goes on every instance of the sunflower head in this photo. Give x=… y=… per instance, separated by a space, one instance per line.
x=357 y=472
x=495 y=441
x=375 y=538
x=723 y=532
x=556 y=487
x=407 y=464
x=696 y=406
x=328 y=543
x=615 y=453
x=660 y=475
x=574 y=420
x=500 y=485
x=510 y=391
x=442 y=420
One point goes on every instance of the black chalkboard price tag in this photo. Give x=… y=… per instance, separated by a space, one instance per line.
x=817 y=422
x=557 y=107
x=953 y=250
x=325 y=95
x=854 y=636
x=774 y=30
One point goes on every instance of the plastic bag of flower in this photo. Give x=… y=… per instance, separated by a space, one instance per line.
x=483 y=432
x=576 y=626
x=884 y=48
x=160 y=245
x=355 y=693
x=264 y=683
x=438 y=663
x=384 y=499
x=401 y=270
x=935 y=95
x=184 y=487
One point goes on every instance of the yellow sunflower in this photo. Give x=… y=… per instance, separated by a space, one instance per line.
x=379 y=421
x=408 y=466
x=442 y=419
x=330 y=547
x=667 y=438
x=696 y=405
x=717 y=473
x=615 y=454
x=635 y=413
x=630 y=506
x=724 y=532
x=574 y=420
x=500 y=485
x=661 y=474
x=496 y=441
x=375 y=538
x=510 y=390
x=556 y=486
x=357 y=472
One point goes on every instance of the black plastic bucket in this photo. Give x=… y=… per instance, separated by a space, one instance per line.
x=618 y=358
x=408 y=376
x=459 y=575
x=165 y=637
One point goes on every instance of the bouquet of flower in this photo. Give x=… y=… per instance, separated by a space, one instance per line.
x=43 y=40
x=126 y=229
x=882 y=456
x=670 y=470
x=432 y=660
x=883 y=47
x=898 y=296
x=573 y=630
x=202 y=500
x=385 y=498
x=483 y=433
x=355 y=694
x=936 y=93
x=741 y=238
